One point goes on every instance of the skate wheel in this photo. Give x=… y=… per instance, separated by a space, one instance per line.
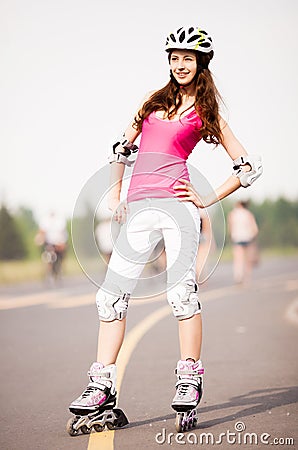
x=110 y=426
x=180 y=426
x=190 y=424
x=85 y=430
x=69 y=427
x=98 y=428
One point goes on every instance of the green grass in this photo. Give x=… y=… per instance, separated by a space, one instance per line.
x=32 y=270
x=266 y=253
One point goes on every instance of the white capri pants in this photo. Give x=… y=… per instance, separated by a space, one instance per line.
x=148 y=221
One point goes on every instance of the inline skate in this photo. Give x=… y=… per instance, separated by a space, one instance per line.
x=189 y=390
x=95 y=407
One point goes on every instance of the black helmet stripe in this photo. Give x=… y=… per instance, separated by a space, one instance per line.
x=193 y=38
x=182 y=37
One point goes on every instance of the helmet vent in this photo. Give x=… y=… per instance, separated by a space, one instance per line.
x=182 y=37
x=193 y=38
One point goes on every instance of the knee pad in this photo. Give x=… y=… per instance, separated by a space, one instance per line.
x=111 y=306
x=184 y=300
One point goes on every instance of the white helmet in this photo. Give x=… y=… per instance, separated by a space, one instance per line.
x=189 y=38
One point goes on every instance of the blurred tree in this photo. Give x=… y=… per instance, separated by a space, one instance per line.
x=277 y=221
x=28 y=227
x=12 y=244
x=82 y=232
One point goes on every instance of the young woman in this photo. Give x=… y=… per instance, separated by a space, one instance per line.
x=162 y=203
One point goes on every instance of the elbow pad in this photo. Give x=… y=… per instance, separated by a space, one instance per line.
x=256 y=169
x=122 y=149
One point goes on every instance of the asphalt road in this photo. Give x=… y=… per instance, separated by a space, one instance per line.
x=49 y=340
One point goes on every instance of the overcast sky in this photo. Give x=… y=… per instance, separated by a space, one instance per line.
x=73 y=73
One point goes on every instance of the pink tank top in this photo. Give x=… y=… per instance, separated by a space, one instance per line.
x=164 y=148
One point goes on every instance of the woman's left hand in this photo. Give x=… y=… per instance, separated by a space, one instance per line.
x=185 y=192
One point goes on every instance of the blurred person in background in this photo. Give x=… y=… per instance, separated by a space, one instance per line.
x=52 y=236
x=243 y=230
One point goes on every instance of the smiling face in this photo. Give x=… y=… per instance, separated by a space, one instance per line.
x=183 y=64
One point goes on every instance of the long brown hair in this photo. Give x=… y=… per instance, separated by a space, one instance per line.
x=207 y=99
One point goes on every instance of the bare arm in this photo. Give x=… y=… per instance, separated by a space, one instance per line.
x=254 y=226
x=234 y=149
x=116 y=176
x=117 y=172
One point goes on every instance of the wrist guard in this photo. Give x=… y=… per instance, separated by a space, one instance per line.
x=249 y=177
x=122 y=149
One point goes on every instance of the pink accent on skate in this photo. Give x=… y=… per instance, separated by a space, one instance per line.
x=189 y=365
x=94 y=370
x=96 y=399
x=192 y=392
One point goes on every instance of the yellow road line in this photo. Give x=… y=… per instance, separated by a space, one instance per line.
x=83 y=300
x=28 y=300
x=62 y=299
x=105 y=440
